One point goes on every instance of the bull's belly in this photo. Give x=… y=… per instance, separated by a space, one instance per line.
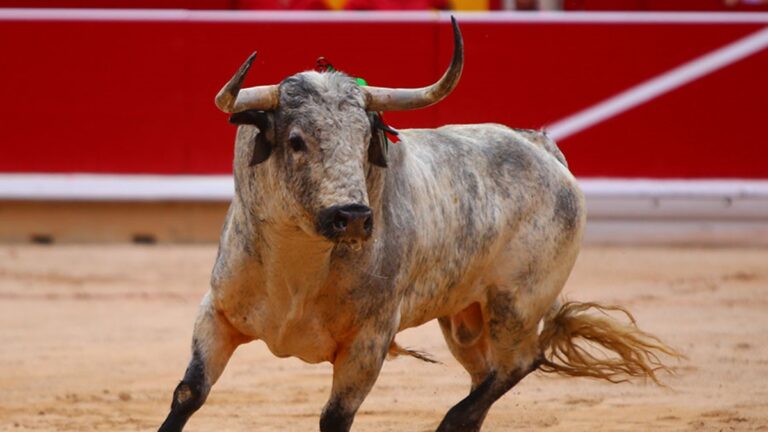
x=510 y=262
x=425 y=301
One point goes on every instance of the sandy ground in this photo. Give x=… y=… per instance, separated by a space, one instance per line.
x=96 y=337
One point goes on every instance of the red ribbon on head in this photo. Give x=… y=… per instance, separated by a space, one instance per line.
x=323 y=65
x=390 y=132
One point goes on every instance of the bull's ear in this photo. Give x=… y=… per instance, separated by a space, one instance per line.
x=262 y=148
x=262 y=145
x=250 y=117
x=377 y=148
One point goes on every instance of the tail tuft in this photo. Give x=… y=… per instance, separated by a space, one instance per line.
x=575 y=342
x=396 y=350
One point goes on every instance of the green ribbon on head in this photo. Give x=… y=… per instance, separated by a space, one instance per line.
x=388 y=133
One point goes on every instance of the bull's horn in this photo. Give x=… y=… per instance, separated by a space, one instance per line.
x=392 y=99
x=232 y=99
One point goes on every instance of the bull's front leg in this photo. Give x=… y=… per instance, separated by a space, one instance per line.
x=213 y=342
x=355 y=369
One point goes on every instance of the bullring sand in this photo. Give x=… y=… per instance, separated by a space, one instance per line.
x=96 y=337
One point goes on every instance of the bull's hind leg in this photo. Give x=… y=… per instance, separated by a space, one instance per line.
x=467 y=337
x=213 y=342
x=511 y=355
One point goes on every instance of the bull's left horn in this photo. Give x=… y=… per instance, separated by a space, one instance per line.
x=393 y=99
x=232 y=99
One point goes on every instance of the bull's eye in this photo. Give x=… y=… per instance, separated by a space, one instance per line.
x=297 y=143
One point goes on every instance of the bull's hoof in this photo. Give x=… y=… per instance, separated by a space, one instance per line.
x=448 y=426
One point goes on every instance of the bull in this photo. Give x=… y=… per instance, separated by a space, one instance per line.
x=332 y=245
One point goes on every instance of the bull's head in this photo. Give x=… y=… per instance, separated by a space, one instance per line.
x=316 y=128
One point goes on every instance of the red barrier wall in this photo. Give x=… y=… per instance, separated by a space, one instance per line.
x=166 y=4
x=112 y=93
x=119 y=4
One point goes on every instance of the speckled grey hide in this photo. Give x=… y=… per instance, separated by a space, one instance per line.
x=464 y=214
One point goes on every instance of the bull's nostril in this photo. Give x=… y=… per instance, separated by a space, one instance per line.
x=352 y=222
x=340 y=222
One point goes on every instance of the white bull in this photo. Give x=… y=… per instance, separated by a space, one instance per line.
x=333 y=245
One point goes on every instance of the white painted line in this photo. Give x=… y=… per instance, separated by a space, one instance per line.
x=659 y=85
x=649 y=188
x=44 y=14
x=390 y=16
x=110 y=187
x=612 y=17
x=129 y=187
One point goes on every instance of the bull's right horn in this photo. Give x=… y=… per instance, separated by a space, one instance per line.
x=231 y=99
x=394 y=99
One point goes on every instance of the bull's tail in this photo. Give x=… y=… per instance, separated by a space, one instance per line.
x=576 y=342
x=396 y=350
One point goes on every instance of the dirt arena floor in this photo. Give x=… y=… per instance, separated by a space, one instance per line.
x=96 y=338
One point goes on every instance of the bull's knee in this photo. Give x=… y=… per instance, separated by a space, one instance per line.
x=188 y=396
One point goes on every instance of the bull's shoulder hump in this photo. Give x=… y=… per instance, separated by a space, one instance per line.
x=474 y=134
x=470 y=130
x=541 y=139
x=489 y=134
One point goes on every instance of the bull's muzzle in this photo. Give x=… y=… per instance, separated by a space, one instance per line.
x=348 y=223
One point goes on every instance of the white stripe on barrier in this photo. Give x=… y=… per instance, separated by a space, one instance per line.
x=648 y=188
x=659 y=85
x=389 y=16
x=114 y=187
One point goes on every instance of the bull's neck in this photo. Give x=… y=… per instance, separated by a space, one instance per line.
x=374 y=179
x=296 y=263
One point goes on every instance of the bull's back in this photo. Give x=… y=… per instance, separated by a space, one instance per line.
x=476 y=193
